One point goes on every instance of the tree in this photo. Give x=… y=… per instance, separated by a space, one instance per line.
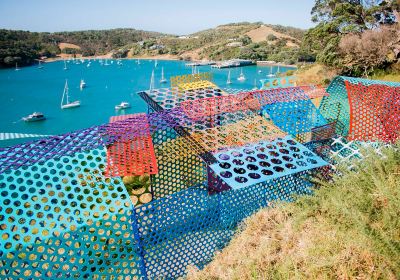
x=336 y=18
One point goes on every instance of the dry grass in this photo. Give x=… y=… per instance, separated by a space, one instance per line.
x=388 y=77
x=315 y=74
x=68 y=45
x=260 y=34
x=348 y=230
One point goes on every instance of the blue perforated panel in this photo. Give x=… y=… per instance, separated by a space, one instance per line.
x=294 y=117
x=264 y=161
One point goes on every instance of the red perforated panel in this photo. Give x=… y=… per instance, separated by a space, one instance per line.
x=374 y=112
x=314 y=91
x=198 y=108
x=132 y=153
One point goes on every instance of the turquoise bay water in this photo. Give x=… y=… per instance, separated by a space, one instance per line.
x=31 y=89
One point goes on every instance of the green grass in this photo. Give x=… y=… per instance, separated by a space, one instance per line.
x=350 y=229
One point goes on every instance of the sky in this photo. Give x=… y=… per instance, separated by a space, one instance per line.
x=178 y=17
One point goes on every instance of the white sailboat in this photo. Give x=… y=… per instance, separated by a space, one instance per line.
x=152 y=81
x=270 y=75
x=16 y=67
x=138 y=62
x=123 y=105
x=255 y=84
x=40 y=66
x=228 y=81
x=155 y=63
x=65 y=65
x=82 y=84
x=163 y=80
x=106 y=63
x=68 y=104
x=241 y=76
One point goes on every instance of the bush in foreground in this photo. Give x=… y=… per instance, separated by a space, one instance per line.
x=349 y=229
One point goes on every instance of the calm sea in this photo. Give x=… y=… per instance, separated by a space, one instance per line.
x=32 y=89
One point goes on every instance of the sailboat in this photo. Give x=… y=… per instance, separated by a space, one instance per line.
x=228 y=81
x=163 y=80
x=65 y=65
x=270 y=75
x=241 y=76
x=16 y=67
x=155 y=63
x=106 y=63
x=138 y=62
x=68 y=104
x=152 y=82
x=40 y=66
x=82 y=84
x=255 y=84
x=278 y=70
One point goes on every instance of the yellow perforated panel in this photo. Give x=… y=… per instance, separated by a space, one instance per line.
x=196 y=85
x=183 y=79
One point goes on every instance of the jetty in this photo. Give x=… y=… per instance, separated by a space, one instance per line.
x=274 y=63
x=200 y=63
x=233 y=63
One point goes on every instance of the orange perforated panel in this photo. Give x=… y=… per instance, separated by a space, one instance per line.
x=132 y=153
x=374 y=112
x=198 y=108
x=250 y=130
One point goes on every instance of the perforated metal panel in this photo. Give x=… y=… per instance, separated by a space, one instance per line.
x=63 y=219
x=375 y=112
x=264 y=161
x=176 y=81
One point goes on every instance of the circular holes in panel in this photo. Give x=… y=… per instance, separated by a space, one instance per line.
x=294 y=149
x=254 y=176
x=301 y=163
x=250 y=159
x=267 y=172
x=226 y=174
x=225 y=165
x=274 y=154
x=297 y=156
x=279 y=169
x=264 y=164
x=276 y=161
x=287 y=158
x=284 y=151
x=312 y=161
x=262 y=156
x=249 y=151
x=252 y=167
x=239 y=170
x=224 y=157
x=290 y=166
x=238 y=161
x=236 y=154
x=241 y=179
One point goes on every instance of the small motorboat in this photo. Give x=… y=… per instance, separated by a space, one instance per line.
x=123 y=105
x=82 y=85
x=34 y=117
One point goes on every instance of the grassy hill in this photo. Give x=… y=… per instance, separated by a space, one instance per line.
x=25 y=47
x=348 y=230
x=244 y=40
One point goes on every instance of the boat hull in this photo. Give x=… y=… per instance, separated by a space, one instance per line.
x=33 y=120
x=71 y=105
